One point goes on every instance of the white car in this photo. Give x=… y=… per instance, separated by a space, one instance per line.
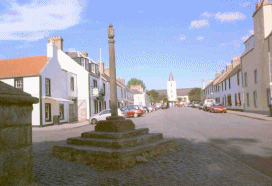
x=207 y=104
x=103 y=115
x=150 y=109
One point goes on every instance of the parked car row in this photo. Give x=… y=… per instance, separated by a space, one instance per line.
x=127 y=111
x=209 y=105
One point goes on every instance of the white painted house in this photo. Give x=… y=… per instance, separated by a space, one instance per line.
x=140 y=97
x=43 y=77
x=227 y=86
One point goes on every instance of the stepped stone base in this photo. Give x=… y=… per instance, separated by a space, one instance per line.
x=114 y=150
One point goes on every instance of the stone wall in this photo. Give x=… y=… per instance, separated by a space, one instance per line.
x=16 y=158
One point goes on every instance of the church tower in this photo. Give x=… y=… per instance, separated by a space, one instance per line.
x=171 y=90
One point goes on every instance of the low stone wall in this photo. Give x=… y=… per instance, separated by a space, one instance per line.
x=16 y=158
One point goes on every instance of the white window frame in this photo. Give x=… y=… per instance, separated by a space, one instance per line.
x=18 y=83
x=47 y=87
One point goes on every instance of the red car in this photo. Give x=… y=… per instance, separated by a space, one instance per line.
x=132 y=111
x=179 y=105
x=218 y=107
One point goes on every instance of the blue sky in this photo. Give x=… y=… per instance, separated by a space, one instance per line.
x=191 y=39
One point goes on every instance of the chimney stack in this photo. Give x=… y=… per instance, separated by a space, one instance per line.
x=84 y=53
x=258 y=5
x=122 y=80
x=57 y=40
x=235 y=61
x=217 y=74
x=210 y=80
x=228 y=67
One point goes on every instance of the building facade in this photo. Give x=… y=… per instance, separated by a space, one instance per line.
x=47 y=81
x=256 y=61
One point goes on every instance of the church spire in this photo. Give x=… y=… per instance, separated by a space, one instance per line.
x=171 y=77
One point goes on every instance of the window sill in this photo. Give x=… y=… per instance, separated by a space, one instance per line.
x=48 y=120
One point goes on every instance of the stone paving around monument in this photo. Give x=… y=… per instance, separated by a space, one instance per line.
x=193 y=164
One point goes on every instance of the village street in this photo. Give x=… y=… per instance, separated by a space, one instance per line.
x=244 y=141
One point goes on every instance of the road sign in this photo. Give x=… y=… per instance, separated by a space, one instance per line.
x=95 y=92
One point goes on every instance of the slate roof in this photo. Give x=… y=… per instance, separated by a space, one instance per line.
x=25 y=66
x=180 y=91
x=135 y=91
x=222 y=77
x=234 y=71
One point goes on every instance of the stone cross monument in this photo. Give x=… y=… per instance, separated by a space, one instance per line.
x=115 y=143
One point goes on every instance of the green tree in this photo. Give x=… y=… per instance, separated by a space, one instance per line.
x=179 y=99
x=195 y=94
x=134 y=81
x=154 y=96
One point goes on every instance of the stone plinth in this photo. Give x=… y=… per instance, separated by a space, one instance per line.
x=113 y=145
x=16 y=158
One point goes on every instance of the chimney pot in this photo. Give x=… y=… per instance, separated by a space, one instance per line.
x=57 y=40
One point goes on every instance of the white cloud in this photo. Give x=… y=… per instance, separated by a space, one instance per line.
x=200 y=38
x=229 y=16
x=182 y=38
x=245 y=4
x=199 y=24
x=206 y=14
x=35 y=20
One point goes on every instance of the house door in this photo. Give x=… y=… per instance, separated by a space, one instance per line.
x=72 y=112
x=82 y=110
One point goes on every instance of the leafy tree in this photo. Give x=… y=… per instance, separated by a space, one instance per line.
x=134 y=81
x=179 y=99
x=195 y=94
x=154 y=96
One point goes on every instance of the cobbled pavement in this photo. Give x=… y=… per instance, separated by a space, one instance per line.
x=193 y=164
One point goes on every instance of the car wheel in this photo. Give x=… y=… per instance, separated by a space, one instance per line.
x=225 y=112
x=135 y=115
x=94 y=121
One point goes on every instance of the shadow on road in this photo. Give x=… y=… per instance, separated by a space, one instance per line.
x=246 y=150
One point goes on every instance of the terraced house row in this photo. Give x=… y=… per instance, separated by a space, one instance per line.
x=246 y=82
x=70 y=85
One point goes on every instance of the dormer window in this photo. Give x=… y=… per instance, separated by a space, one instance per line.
x=96 y=69
x=93 y=68
x=83 y=62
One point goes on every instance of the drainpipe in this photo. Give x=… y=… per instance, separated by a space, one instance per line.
x=270 y=83
x=242 y=83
